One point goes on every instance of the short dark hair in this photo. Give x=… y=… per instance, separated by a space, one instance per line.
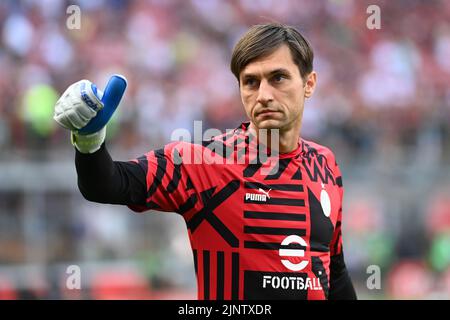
x=261 y=40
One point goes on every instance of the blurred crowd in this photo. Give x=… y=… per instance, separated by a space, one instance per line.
x=382 y=103
x=379 y=91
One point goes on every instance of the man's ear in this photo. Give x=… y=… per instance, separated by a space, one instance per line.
x=310 y=84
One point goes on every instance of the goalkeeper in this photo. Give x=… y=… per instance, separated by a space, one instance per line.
x=257 y=231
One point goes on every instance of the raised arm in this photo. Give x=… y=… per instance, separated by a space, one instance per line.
x=85 y=111
x=100 y=179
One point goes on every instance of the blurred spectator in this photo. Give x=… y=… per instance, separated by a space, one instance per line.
x=409 y=280
x=177 y=60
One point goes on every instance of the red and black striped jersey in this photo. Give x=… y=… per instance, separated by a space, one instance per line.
x=258 y=229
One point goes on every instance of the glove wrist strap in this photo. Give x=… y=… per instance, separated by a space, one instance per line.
x=88 y=143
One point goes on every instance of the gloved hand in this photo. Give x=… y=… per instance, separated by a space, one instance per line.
x=85 y=111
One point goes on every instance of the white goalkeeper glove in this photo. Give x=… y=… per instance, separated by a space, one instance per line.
x=85 y=111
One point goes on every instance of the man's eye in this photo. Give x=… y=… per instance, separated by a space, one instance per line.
x=250 y=82
x=279 y=78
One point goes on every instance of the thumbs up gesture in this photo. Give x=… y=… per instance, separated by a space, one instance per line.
x=85 y=110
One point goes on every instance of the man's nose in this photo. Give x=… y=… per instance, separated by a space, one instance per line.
x=265 y=94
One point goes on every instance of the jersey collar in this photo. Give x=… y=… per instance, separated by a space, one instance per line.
x=293 y=154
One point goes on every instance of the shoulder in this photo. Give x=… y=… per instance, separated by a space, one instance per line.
x=312 y=148
x=203 y=152
x=324 y=157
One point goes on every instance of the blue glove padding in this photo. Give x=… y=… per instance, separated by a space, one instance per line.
x=112 y=95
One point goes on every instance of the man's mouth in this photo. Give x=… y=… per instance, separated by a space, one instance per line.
x=266 y=112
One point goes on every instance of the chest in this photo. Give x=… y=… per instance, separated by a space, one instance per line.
x=261 y=205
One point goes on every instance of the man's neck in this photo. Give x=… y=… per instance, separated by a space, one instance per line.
x=288 y=139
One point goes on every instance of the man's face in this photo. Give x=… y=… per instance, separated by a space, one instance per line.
x=273 y=91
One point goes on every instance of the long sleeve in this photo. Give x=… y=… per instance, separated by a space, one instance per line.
x=100 y=179
x=341 y=287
